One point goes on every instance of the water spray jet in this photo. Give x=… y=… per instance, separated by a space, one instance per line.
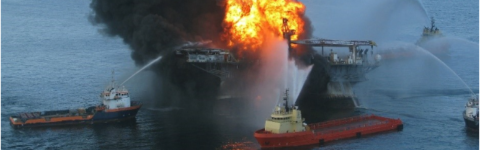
x=143 y=68
x=446 y=66
x=415 y=50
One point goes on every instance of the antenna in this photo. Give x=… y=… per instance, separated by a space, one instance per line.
x=113 y=78
x=433 y=24
x=286 y=100
x=433 y=21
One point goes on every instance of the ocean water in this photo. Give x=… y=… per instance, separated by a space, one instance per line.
x=54 y=58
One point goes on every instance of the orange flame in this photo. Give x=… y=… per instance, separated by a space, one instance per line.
x=249 y=22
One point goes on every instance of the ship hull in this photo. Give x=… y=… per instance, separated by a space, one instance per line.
x=470 y=123
x=101 y=116
x=105 y=116
x=68 y=123
x=328 y=131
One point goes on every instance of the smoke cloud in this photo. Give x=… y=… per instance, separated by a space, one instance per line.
x=150 y=27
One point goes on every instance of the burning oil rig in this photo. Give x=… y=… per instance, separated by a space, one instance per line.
x=216 y=75
x=328 y=86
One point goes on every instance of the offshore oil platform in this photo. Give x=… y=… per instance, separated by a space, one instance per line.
x=350 y=68
x=329 y=86
x=214 y=74
x=213 y=61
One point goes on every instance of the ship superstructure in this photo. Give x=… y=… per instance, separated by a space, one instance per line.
x=115 y=96
x=285 y=118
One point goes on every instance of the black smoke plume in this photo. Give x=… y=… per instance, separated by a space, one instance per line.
x=153 y=27
x=150 y=27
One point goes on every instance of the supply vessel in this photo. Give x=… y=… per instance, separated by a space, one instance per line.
x=429 y=33
x=116 y=106
x=431 y=39
x=286 y=128
x=470 y=114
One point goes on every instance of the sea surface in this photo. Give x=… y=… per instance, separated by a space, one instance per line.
x=54 y=58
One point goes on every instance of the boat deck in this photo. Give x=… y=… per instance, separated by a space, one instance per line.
x=353 y=124
x=349 y=126
x=30 y=115
x=56 y=113
x=319 y=133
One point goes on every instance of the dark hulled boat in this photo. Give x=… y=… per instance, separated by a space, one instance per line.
x=470 y=114
x=116 y=106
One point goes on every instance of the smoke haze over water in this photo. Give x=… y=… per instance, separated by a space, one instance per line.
x=377 y=20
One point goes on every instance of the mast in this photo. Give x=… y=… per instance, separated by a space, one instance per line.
x=286 y=100
x=432 y=24
x=113 y=78
x=287 y=34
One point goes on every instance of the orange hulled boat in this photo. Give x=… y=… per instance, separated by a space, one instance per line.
x=116 y=106
x=285 y=128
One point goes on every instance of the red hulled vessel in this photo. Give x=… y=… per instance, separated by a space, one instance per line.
x=285 y=128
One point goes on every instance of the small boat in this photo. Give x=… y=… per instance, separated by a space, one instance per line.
x=427 y=41
x=440 y=47
x=470 y=114
x=429 y=33
x=116 y=106
x=286 y=128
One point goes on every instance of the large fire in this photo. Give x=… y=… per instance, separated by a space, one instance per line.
x=249 y=22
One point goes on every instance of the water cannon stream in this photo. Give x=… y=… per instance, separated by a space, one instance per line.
x=188 y=44
x=426 y=52
x=143 y=68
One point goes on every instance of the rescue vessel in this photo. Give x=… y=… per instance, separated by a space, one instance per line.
x=426 y=41
x=434 y=41
x=470 y=114
x=429 y=33
x=286 y=128
x=115 y=106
